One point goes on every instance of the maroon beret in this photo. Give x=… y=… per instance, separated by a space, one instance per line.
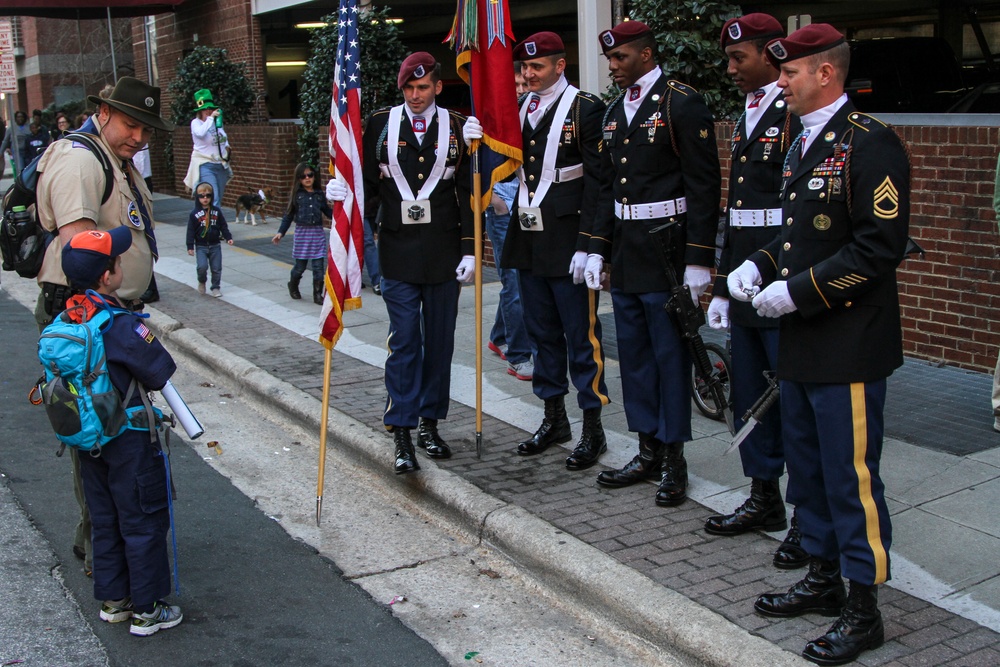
x=814 y=38
x=416 y=66
x=623 y=33
x=538 y=45
x=751 y=26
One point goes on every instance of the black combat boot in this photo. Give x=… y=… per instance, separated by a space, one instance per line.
x=674 y=477
x=293 y=288
x=553 y=431
x=644 y=466
x=592 y=442
x=821 y=592
x=429 y=440
x=318 y=292
x=859 y=628
x=763 y=509
x=406 y=458
x=790 y=555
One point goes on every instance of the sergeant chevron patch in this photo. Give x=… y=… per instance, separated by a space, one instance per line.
x=886 y=200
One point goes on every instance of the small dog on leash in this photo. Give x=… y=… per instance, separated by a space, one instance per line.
x=252 y=203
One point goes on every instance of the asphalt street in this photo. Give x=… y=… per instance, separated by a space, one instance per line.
x=251 y=594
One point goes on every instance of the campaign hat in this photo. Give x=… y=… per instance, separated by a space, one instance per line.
x=85 y=257
x=136 y=99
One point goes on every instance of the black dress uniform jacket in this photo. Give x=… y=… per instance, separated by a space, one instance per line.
x=668 y=151
x=569 y=208
x=419 y=253
x=754 y=183
x=846 y=206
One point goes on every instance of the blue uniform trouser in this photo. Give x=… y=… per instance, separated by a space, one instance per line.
x=421 y=342
x=209 y=256
x=508 y=325
x=655 y=367
x=755 y=350
x=833 y=444
x=215 y=174
x=561 y=319
x=126 y=489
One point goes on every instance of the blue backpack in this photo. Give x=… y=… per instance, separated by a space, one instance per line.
x=83 y=406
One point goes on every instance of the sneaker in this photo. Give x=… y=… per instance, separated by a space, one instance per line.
x=522 y=371
x=163 y=616
x=216 y=292
x=201 y=288
x=495 y=349
x=116 y=611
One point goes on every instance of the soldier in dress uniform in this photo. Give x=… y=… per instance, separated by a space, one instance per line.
x=831 y=278
x=760 y=142
x=416 y=167
x=547 y=241
x=662 y=166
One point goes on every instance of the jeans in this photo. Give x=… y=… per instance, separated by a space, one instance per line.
x=209 y=256
x=508 y=326
x=371 y=254
x=216 y=175
x=318 y=267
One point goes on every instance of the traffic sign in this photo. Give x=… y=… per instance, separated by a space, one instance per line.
x=6 y=37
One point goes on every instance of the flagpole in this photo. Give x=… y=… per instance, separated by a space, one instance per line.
x=477 y=210
x=324 y=418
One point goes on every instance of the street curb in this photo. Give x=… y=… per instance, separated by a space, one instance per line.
x=576 y=571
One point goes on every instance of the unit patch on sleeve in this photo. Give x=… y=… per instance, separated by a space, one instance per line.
x=143 y=332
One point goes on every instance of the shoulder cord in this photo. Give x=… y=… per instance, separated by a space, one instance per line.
x=847 y=139
x=669 y=94
x=381 y=139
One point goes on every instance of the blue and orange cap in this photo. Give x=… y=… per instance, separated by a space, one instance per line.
x=85 y=257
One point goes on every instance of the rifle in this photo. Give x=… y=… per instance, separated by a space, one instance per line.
x=689 y=318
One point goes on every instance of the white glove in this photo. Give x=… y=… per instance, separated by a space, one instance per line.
x=745 y=277
x=577 y=266
x=718 y=313
x=472 y=130
x=593 y=272
x=336 y=190
x=697 y=278
x=466 y=270
x=775 y=300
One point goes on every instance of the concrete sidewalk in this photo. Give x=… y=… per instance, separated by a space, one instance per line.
x=643 y=564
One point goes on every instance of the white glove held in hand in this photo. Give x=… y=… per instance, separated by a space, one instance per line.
x=593 y=272
x=577 y=266
x=775 y=300
x=718 y=313
x=336 y=190
x=466 y=270
x=745 y=277
x=697 y=278
x=472 y=130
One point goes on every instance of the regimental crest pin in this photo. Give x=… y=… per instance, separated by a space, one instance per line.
x=419 y=72
x=734 y=31
x=530 y=48
x=822 y=222
x=777 y=50
x=829 y=136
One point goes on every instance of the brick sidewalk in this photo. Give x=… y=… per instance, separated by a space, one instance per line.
x=668 y=545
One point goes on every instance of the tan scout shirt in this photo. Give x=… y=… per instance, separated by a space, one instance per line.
x=70 y=185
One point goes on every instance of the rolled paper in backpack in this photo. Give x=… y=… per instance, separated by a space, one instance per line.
x=191 y=425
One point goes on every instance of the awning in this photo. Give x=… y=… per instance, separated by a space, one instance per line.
x=86 y=9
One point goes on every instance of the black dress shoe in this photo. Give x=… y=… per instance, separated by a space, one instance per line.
x=429 y=440
x=763 y=509
x=553 y=431
x=377 y=288
x=790 y=555
x=674 y=477
x=820 y=592
x=646 y=465
x=406 y=458
x=592 y=442
x=858 y=629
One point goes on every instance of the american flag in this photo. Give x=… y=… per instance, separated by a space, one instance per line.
x=346 y=253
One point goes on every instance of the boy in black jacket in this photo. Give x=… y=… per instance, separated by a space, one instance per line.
x=206 y=227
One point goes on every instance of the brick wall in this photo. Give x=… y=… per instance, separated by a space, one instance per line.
x=950 y=300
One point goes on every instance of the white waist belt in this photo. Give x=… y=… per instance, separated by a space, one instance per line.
x=390 y=172
x=659 y=209
x=756 y=217
x=563 y=175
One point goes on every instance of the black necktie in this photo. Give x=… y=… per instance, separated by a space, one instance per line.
x=147 y=220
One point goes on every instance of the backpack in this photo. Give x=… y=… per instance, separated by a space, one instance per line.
x=23 y=240
x=83 y=406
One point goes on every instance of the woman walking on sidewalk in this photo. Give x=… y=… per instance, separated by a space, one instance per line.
x=306 y=206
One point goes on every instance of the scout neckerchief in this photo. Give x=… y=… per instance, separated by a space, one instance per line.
x=138 y=214
x=551 y=148
x=437 y=171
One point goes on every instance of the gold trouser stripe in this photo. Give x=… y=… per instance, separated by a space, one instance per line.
x=595 y=345
x=872 y=528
